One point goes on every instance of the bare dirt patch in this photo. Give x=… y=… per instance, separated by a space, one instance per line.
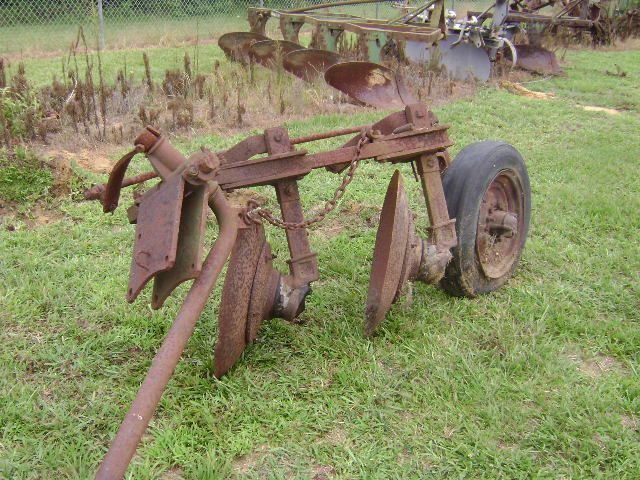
x=609 y=111
x=507 y=446
x=14 y=219
x=245 y=463
x=597 y=366
x=323 y=472
x=629 y=421
x=174 y=473
x=337 y=436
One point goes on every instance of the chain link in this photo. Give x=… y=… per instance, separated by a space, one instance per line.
x=254 y=212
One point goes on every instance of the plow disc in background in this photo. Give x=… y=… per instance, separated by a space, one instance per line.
x=535 y=59
x=269 y=53
x=369 y=83
x=309 y=64
x=236 y=45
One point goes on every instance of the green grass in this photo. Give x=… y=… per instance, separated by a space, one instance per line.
x=23 y=178
x=502 y=386
x=593 y=79
x=39 y=40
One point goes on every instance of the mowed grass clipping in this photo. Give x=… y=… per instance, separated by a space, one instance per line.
x=537 y=380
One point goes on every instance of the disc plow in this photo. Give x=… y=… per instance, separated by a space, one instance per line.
x=357 y=55
x=478 y=208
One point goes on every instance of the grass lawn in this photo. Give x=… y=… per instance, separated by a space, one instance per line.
x=538 y=380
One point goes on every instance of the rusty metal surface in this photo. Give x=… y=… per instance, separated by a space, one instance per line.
x=116 y=461
x=156 y=234
x=536 y=59
x=263 y=292
x=310 y=64
x=388 y=254
x=270 y=53
x=236 y=45
x=236 y=295
x=110 y=194
x=369 y=83
x=170 y=225
x=190 y=246
x=500 y=225
x=97 y=192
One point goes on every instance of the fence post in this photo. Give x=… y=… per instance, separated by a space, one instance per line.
x=100 y=25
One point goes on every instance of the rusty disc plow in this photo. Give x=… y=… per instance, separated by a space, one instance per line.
x=477 y=208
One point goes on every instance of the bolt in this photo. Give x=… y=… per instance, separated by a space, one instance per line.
x=278 y=137
x=209 y=162
x=192 y=171
x=289 y=190
x=420 y=113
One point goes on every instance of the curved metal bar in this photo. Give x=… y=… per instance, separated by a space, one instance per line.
x=115 y=463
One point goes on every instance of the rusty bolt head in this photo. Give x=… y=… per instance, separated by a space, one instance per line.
x=209 y=162
x=192 y=171
x=278 y=137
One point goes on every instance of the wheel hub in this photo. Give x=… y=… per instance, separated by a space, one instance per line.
x=500 y=223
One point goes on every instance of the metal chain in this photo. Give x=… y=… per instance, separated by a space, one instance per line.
x=254 y=210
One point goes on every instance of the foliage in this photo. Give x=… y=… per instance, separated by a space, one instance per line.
x=23 y=177
x=19 y=113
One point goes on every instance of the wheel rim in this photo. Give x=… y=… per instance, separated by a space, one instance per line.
x=500 y=224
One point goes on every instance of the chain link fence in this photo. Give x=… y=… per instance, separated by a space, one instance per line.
x=34 y=26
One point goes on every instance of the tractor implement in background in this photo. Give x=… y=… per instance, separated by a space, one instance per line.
x=370 y=83
x=341 y=44
x=310 y=64
x=236 y=45
x=170 y=220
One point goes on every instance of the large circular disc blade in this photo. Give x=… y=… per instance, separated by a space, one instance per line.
x=236 y=45
x=309 y=64
x=535 y=59
x=461 y=61
x=236 y=294
x=270 y=53
x=388 y=254
x=263 y=292
x=366 y=82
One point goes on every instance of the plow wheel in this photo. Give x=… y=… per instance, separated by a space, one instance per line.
x=236 y=45
x=270 y=53
x=488 y=193
x=369 y=83
x=248 y=296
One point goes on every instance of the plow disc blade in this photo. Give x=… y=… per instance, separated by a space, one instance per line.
x=236 y=45
x=461 y=61
x=389 y=254
x=536 y=59
x=309 y=64
x=270 y=53
x=247 y=297
x=370 y=84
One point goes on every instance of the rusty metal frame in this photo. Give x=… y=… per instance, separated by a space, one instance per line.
x=172 y=211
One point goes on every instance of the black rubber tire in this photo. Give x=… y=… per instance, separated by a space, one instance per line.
x=465 y=183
